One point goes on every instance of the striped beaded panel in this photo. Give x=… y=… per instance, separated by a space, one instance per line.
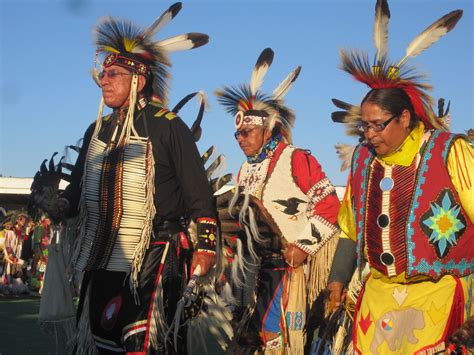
x=373 y=233
x=390 y=239
x=400 y=203
x=133 y=205
x=90 y=200
x=118 y=255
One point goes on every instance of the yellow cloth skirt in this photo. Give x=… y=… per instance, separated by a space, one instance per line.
x=410 y=318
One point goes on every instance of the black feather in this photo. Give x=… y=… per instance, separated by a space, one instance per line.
x=183 y=102
x=199 y=39
x=339 y=116
x=341 y=104
x=265 y=58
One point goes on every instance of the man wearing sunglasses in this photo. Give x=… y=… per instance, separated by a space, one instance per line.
x=295 y=206
x=407 y=215
x=137 y=182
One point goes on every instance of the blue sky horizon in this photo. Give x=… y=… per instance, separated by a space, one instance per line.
x=48 y=98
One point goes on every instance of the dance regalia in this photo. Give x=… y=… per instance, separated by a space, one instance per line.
x=12 y=253
x=41 y=241
x=133 y=248
x=415 y=210
x=302 y=202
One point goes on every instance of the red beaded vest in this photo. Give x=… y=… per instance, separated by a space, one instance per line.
x=410 y=219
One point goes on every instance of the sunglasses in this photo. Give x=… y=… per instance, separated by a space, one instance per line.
x=244 y=133
x=379 y=127
x=111 y=74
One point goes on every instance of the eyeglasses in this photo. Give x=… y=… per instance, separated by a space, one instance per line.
x=244 y=133
x=364 y=127
x=111 y=74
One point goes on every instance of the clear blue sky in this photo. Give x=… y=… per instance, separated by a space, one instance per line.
x=48 y=99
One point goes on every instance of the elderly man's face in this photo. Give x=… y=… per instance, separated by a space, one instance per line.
x=251 y=138
x=116 y=84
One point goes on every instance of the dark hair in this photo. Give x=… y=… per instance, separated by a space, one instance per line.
x=148 y=88
x=393 y=100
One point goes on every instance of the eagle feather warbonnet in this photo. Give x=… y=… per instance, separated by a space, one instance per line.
x=384 y=73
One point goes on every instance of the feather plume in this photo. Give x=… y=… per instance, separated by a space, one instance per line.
x=217 y=163
x=183 y=42
x=339 y=116
x=432 y=34
x=286 y=84
x=344 y=152
x=163 y=20
x=382 y=15
x=263 y=63
x=357 y=65
x=205 y=157
x=203 y=106
x=350 y=117
x=241 y=98
x=76 y=148
x=183 y=102
x=67 y=166
x=341 y=104
x=95 y=76
x=444 y=116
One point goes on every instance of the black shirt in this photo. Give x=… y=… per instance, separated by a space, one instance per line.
x=181 y=184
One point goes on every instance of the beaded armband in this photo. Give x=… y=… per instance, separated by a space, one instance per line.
x=206 y=235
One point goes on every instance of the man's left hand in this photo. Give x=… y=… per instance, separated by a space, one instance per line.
x=205 y=261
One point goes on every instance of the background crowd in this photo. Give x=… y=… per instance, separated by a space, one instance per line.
x=23 y=252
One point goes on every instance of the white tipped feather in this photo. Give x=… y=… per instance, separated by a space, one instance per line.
x=432 y=34
x=202 y=98
x=261 y=67
x=382 y=15
x=286 y=84
x=183 y=42
x=163 y=20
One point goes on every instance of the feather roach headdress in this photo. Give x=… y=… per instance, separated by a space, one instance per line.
x=249 y=105
x=135 y=49
x=384 y=74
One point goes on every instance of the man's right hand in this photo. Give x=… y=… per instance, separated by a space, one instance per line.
x=336 y=297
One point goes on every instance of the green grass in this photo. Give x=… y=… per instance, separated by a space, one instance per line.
x=19 y=330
